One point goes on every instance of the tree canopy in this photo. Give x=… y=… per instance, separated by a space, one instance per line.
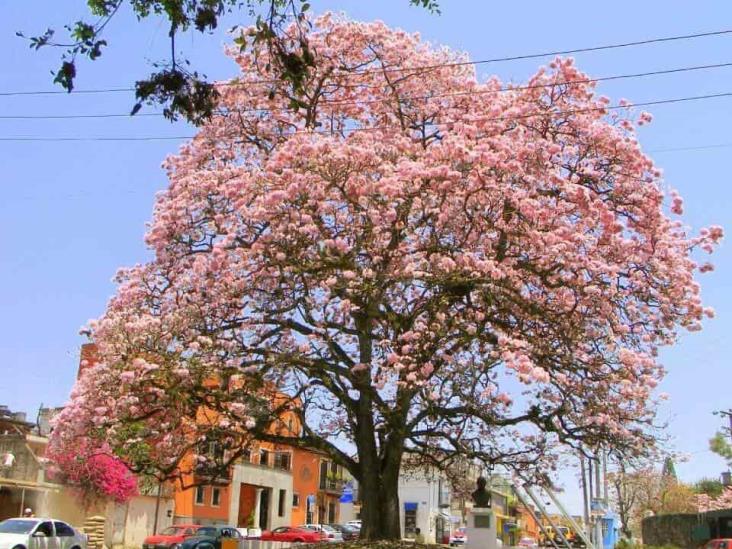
x=427 y=265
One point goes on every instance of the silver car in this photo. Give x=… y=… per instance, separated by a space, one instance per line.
x=39 y=533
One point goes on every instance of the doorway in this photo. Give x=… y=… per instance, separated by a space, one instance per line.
x=264 y=508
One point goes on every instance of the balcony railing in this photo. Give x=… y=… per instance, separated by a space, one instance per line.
x=276 y=460
x=331 y=485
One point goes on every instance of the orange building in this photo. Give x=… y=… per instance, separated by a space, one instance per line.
x=526 y=522
x=317 y=485
x=203 y=503
x=271 y=485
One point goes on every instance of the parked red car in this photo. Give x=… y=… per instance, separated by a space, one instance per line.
x=170 y=537
x=722 y=543
x=293 y=535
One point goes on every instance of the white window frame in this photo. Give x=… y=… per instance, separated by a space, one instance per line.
x=203 y=496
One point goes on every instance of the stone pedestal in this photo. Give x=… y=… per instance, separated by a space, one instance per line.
x=481 y=529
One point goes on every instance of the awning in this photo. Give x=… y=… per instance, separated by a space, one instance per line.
x=410 y=506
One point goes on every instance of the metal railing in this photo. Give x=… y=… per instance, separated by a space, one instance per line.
x=331 y=485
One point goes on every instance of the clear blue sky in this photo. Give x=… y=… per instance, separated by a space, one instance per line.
x=72 y=213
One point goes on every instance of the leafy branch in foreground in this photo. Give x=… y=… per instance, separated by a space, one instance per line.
x=181 y=91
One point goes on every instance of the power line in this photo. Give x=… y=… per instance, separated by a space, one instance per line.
x=69 y=116
x=693 y=148
x=422 y=67
x=567 y=52
x=146 y=138
x=382 y=127
x=421 y=97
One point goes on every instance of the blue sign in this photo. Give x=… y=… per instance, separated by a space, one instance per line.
x=311 y=499
x=347 y=496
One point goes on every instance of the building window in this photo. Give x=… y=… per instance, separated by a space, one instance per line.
x=296 y=500
x=281 y=503
x=323 y=475
x=200 y=493
x=216 y=497
x=264 y=457
x=282 y=460
x=331 y=513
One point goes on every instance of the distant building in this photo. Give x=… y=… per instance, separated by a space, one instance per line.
x=25 y=483
x=424 y=495
x=23 y=480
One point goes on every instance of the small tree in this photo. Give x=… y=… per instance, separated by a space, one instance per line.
x=721 y=446
x=709 y=486
x=424 y=264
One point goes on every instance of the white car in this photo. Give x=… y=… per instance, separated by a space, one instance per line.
x=354 y=524
x=333 y=534
x=39 y=533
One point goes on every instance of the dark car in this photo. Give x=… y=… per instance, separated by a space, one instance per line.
x=348 y=532
x=210 y=537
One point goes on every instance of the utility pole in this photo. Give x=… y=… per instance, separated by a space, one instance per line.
x=157 y=507
x=580 y=532
x=544 y=512
x=727 y=413
x=585 y=499
x=536 y=518
x=598 y=498
x=604 y=480
x=726 y=476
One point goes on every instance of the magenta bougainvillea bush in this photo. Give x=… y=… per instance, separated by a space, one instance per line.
x=95 y=475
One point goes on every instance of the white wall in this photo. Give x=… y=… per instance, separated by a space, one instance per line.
x=347 y=512
x=140 y=519
x=63 y=504
x=422 y=489
x=263 y=477
x=127 y=524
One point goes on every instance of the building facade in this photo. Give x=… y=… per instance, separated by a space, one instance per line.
x=271 y=485
x=424 y=496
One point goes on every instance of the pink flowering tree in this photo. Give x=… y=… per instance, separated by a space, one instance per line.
x=427 y=265
x=706 y=503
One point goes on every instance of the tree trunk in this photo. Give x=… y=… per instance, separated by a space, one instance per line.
x=380 y=514
x=378 y=467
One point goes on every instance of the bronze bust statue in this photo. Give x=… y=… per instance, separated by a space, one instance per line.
x=481 y=497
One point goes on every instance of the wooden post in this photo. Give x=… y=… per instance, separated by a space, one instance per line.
x=157 y=508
